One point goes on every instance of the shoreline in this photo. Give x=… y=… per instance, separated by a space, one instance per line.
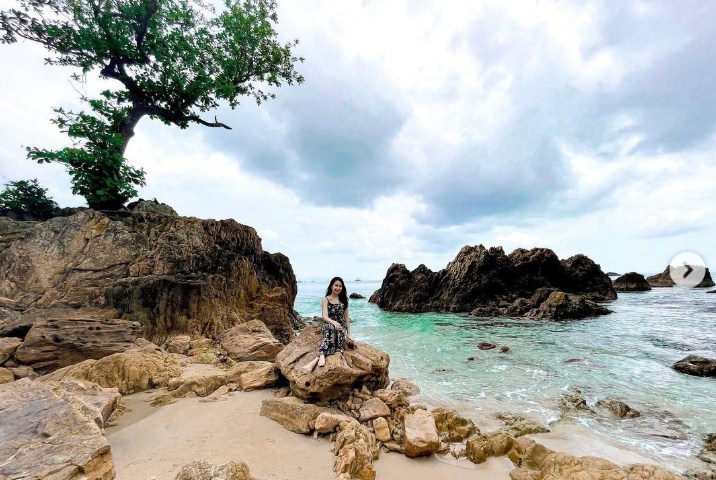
x=154 y=442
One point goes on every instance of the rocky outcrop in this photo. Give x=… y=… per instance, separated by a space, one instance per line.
x=64 y=336
x=250 y=341
x=536 y=462
x=355 y=449
x=696 y=365
x=91 y=282
x=356 y=296
x=487 y=282
x=631 y=282
x=140 y=368
x=55 y=430
x=363 y=365
x=664 y=279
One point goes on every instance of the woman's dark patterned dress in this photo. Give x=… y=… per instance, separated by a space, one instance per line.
x=333 y=338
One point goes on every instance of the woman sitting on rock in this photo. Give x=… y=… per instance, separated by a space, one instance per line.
x=337 y=326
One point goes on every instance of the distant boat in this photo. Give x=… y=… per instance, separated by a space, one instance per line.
x=357 y=280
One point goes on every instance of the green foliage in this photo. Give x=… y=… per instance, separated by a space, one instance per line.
x=99 y=171
x=171 y=59
x=27 y=196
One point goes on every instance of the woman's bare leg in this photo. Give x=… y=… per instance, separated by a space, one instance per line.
x=311 y=365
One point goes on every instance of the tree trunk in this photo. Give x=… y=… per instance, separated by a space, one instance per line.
x=126 y=129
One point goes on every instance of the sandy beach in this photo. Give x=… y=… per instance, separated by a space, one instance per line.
x=154 y=442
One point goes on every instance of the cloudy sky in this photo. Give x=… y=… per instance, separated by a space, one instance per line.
x=422 y=126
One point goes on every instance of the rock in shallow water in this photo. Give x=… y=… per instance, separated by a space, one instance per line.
x=486 y=282
x=696 y=365
x=631 y=282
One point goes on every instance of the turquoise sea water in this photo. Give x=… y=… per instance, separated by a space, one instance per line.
x=626 y=356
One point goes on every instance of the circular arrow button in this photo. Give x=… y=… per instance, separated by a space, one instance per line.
x=687 y=269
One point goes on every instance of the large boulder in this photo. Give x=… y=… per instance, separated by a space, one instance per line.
x=250 y=341
x=421 y=436
x=202 y=379
x=631 y=282
x=173 y=275
x=663 y=279
x=293 y=414
x=487 y=282
x=697 y=365
x=262 y=377
x=140 y=368
x=363 y=365
x=54 y=430
x=64 y=336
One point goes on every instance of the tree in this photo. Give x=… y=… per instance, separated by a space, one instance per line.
x=171 y=59
x=27 y=196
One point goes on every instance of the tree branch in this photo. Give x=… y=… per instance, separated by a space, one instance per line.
x=143 y=27
x=178 y=118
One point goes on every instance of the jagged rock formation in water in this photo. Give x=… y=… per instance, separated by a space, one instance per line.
x=87 y=285
x=631 y=282
x=487 y=282
x=664 y=279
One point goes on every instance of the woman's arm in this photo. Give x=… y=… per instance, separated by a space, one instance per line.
x=347 y=319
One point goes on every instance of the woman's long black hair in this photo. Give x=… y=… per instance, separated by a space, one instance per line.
x=343 y=296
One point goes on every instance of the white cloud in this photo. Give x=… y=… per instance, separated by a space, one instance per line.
x=423 y=127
